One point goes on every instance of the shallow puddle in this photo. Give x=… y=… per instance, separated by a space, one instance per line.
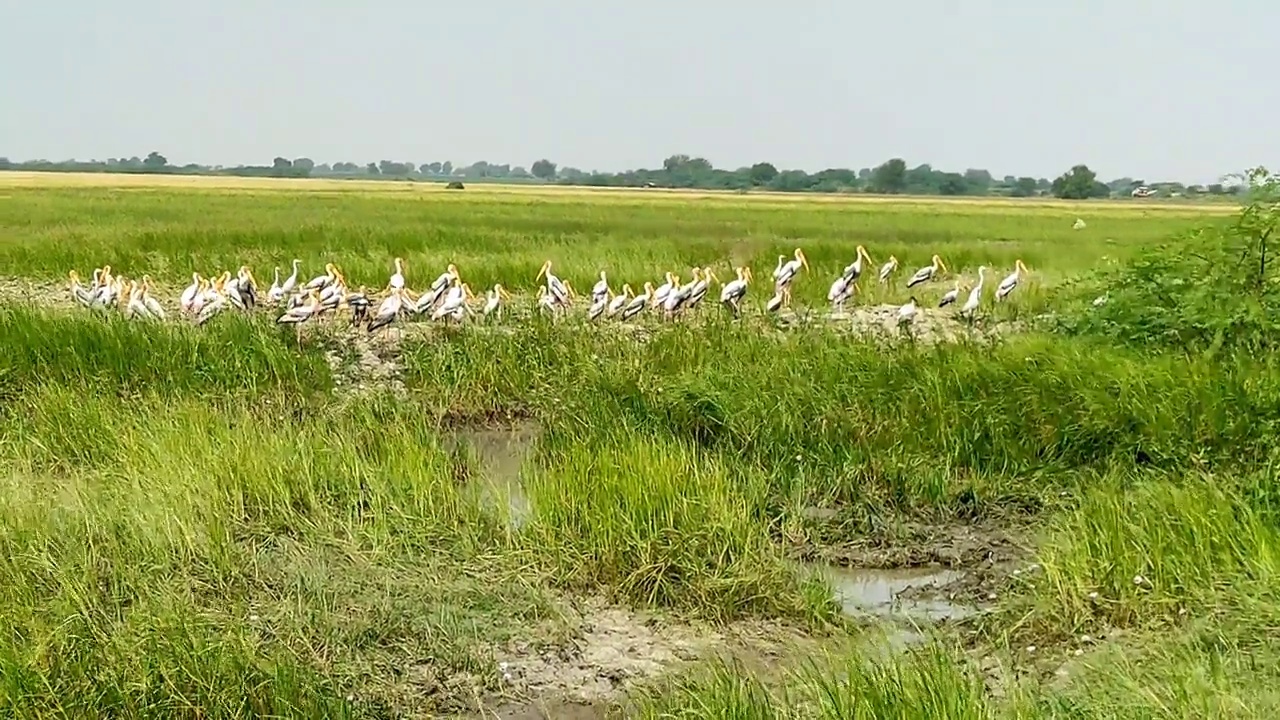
x=498 y=454
x=878 y=592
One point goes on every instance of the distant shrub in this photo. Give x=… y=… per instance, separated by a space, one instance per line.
x=1215 y=289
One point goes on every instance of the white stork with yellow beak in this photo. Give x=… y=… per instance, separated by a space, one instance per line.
x=853 y=271
x=558 y=288
x=787 y=272
x=927 y=272
x=1011 y=280
x=887 y=269
x=601 y=289
x=455 y=303
x=493 y=300
x=733 y=291
x=638 y=303
x=619 y=301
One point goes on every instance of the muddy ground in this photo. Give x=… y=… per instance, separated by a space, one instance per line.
x=616 y=649
x=901 y=585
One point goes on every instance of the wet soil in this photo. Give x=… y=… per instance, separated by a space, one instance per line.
x=610 y=650
x=887 y=593
x=496 y=456
x=914 y=544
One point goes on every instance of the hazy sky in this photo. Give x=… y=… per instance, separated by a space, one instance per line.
x=1156 y=90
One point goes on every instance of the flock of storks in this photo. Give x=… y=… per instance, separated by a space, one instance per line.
x=448 y=298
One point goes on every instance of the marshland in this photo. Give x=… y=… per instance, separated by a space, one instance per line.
x=764 y=517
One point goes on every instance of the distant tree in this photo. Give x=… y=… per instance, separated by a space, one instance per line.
x=1024 y=187
x=977 y=180
x=698 y=165
x=792 y=181
x=952 y=184
x=543 y=169
x=394 y=169
x=762 y=173
x=677 y=171
x=1079 y=183
x=477 y=169
x=675 y=162
x=891 y=177
x=834 y=180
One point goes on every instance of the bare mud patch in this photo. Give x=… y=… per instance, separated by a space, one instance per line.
x=37 y=293
x=925 y=572
x=916 y=543
x=601 y=651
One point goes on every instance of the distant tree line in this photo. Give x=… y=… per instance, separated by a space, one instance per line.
x=893 y=177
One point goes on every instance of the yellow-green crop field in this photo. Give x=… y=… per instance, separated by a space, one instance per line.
x=529 y=516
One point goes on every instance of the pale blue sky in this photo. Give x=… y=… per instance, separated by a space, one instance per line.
x=1156 y=90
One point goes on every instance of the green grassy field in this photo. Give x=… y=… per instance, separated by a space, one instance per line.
x=217 y=522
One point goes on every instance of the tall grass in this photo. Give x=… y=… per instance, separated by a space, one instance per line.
x=108 y=353
x=504 y=238
x=929 y=682
x=170 y=557
x=864 y=423
x=663 y=523
x=1154 y=550
x=191 y=526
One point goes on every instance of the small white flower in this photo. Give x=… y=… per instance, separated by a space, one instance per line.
x=1139 y=580
x=1093 y=595
x=991 y=596
x=1079 y=652
x=253 y=618
x=1086 y=638
x=1031 y=648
